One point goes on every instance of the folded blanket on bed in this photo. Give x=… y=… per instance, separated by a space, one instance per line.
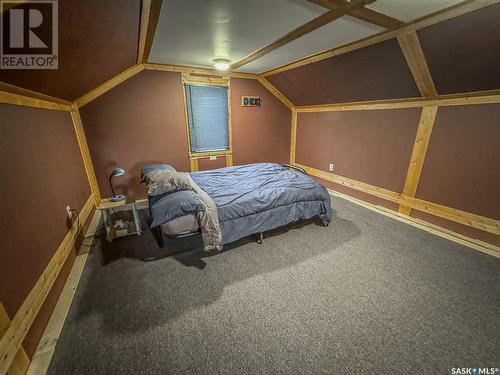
x=182 y=196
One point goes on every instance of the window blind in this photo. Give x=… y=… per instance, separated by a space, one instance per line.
x=207 y=117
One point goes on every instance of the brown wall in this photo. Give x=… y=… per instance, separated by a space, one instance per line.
x=205 y=164
x=368 y=146
x=461 y=167
x=462 y=53
x=260 y=134
x=97 y=40
x=378 y=71
x=141 y=121
x=42 y=172
x=374 y=147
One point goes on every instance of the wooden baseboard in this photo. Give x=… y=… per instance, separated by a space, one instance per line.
x=424 y=225
x=483 y=223
x=46 y=347
x=11 y=340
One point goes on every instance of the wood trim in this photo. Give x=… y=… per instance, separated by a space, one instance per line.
x=424 y=225
x=365 y=14
x=47 y=345
x=414 y=55
x=293 y=136
x=229 y=160
x=213 y=81
x=108 y=85
x=204 y=155
x=11 y=341
x=193 y=70
x=470 y=98
x=21 y=361
x=312 y=25
x=31 y=94
x=16 y=99
x=456 y=10
x=152 y=23
x=193 y=164
x=476 y=221
x=273 y=90
x=418 y=154
x=143 y=29
x=84 y=149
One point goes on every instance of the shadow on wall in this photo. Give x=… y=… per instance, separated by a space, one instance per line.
x=128 y=184
x=126 y=295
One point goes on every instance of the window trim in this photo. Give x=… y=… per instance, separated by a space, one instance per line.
x=208 y=81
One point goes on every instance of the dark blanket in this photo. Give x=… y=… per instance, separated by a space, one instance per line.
x=255 y=198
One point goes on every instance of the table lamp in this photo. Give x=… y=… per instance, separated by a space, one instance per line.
x=116 y=172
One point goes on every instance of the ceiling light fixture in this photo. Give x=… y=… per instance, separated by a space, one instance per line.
x=221 y=64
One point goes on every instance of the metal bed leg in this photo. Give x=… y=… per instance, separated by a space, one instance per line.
x=261 y=238
x=158 y=236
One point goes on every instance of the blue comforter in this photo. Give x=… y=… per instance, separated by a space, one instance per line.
x=255 y=198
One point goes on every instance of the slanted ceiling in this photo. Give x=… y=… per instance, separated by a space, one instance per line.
x=98 y=39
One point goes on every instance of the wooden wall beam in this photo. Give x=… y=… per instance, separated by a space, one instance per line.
x=203 y=71
x=273 y=90
x=312 y=25
x=293 y=136
x=16 y=99
x=412 y=51
x=152 y=23
x=108 y=85
x=476 y=221
x=453 y=11
x=418 y=154
x=21 y=362
x=469 y=98
x=31 y=94
x=11 y=340
x=365 y=14
x=193 y=164
x=84 y=149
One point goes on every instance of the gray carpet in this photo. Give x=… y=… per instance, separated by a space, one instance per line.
x=366 y=295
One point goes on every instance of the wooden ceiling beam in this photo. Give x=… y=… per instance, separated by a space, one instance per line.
x=143 y=29
x=366 y=14
x=152 y=21
x=312 y=25
x=456 y=10
x=414 y=56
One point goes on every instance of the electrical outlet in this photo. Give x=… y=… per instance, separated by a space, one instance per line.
x=69 y=212
x=330 y=167
x=213 y=157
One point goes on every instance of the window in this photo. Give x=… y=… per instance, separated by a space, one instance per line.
x=207 y=113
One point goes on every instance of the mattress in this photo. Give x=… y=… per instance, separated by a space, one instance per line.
x=255 y=198
x=181 y=225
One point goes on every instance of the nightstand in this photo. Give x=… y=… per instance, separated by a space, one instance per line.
x=133 y=227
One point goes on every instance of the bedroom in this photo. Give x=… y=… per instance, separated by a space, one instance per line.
x=225 y=186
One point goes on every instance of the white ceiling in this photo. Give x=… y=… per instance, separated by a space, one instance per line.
x=407 y=10
x=195 y=32
x=334 y=34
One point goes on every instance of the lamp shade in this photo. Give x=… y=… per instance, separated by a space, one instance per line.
x=118 y=172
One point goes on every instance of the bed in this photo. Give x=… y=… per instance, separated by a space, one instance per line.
x=249 y=199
